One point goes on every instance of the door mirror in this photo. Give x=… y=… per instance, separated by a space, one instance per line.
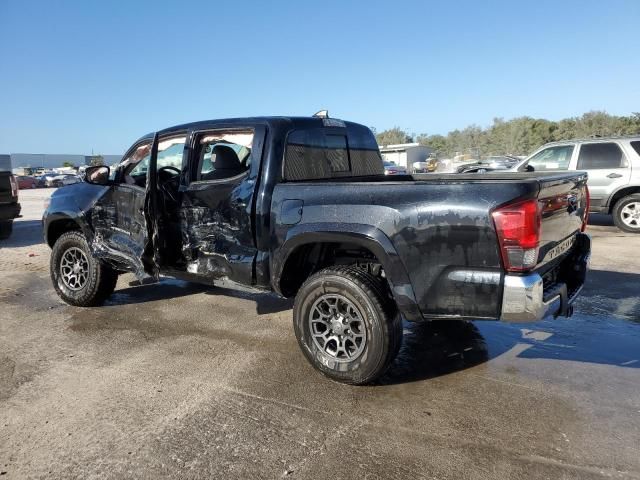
x=98 y=175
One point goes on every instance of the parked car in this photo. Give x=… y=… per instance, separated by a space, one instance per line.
x=25 y=182
x=9 y=206
x=391 y=168
x=62 y=180
x=613 y=166
x=40 y=181
x=490 y=164
x=49 y=180
x=303 y=207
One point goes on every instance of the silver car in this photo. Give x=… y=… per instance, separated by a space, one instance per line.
x=613 y=165
x=62 y=180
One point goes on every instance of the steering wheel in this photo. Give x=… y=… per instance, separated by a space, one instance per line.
x=172 y=174
x=175 y=169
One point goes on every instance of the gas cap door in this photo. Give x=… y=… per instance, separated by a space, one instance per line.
x=291 y=211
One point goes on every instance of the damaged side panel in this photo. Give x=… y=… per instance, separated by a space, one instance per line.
x=120 y=229
x=217 y=240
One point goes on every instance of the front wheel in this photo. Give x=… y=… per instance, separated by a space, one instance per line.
x=626 y=213
x=78 y=278
x=347 y=325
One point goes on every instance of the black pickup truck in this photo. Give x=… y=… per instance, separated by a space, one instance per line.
x=9 y=206
x=301 y=206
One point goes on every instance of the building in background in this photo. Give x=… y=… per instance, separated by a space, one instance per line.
x=405 y=154
x=22 y=162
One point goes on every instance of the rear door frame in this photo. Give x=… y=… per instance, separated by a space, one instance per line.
x=243 y=271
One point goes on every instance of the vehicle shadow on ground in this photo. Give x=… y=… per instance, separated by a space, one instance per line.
x=605 y=330
x=434 y=349
x=25 y=233
x=163 y=290
x=266 y=303
x=612 y=285
x=600 y=220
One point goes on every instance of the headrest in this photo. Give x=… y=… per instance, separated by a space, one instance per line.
x=225 y=158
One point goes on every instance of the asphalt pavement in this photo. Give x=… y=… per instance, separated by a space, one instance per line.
x=184 y=381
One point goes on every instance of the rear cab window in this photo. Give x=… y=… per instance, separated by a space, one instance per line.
x=331 y=152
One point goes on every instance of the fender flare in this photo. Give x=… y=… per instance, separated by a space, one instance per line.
x=366 y=236
x=75 y=217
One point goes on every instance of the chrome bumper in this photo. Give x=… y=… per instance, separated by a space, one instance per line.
x=523 y=298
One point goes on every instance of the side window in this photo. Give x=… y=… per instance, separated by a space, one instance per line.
x=136 y=165
x=636 y=147
x=170 y=152
x=223 y=154
x=552 y=158
x=595 y=156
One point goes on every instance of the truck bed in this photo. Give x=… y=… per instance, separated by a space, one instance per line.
x=440 y=226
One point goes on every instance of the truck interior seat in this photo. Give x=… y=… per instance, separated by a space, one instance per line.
x=226 y=163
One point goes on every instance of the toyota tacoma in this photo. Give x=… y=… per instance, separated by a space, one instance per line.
x=301 y=206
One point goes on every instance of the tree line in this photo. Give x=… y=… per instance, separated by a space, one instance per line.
x=518 y=136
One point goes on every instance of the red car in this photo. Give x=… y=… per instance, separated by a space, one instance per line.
x=27 y=182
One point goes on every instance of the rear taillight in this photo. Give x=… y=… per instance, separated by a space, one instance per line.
x=14 y=186
x=518 y=229
x=587 y=206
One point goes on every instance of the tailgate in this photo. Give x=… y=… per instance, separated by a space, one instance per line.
x=563 y=201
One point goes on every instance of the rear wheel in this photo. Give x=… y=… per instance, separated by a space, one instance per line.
x=626 y=213
x=347 y=325
x=78 y=278
x=6 y=227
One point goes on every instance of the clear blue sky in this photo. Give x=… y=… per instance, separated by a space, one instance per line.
x=77 y=76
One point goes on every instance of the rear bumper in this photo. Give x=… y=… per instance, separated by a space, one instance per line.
x=526 y=298
x=10 y=211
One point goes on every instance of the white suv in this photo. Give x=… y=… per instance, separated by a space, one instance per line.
x=613 y=165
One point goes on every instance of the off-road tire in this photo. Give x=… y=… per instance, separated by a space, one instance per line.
x=376 y=307
x=617 y=212
x=101 y=279
x=6 y=227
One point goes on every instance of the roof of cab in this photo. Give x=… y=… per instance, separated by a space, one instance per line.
x=230 y=122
